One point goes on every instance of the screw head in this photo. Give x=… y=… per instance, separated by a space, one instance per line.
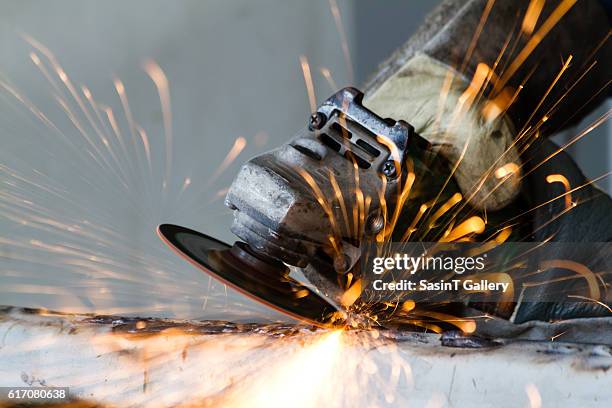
x=375 y=224
x=316 y=121
x=388 y=168
x=341 y=263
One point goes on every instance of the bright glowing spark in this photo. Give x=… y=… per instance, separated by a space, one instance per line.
x=238 y=146
x=308 y=81
x=600 y=303
x=456 y=198
x=506 y=170
x=329 y=78
x=472 y=225
x=531 y=16
x=351 y=294
x=560 y=178
x=161 y=82
x=477 y=32
x=535 y=399
x=333 y=5
x=534 y=41
x=579 y=268
x=277 y=386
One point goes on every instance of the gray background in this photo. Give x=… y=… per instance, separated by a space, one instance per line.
x=233 y=69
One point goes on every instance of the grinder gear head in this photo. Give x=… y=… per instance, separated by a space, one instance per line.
x=297 y=202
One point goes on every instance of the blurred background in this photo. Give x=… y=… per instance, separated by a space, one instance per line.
x=78 y=227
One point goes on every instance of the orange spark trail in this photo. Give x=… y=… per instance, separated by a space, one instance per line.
x=147 y=148
x=585 y=132
x=531 y=16
x=600 y=303
x=308 y=81
x=476 y=36
x=471 y=225
x=560 y=178
x=550 y=88
x=535 y=40
x=333 y=5
x=535 y=399
x=239 y=145
x=329 y=78
x=579 y=268
x=161 y=82
x=120 y=88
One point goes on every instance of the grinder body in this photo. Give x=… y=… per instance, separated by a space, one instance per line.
x=339 y=184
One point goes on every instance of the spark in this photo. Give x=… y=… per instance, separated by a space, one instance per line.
x=186 y=184
x=465 y=325
x=161 y=82
x=493 y=108
x=147 y=147
x=411 y=229
x=559 y=196
x=276 y=387
x=81 y=238
x=237 y=148
x=556 y=336
x=329 y=78
x=324 y=348
x=401 y=200
x=534 y=41
x=602 y=119
x=359 y=209
x=472 y=225
x=408 y=305
x=503 y=235
x=351 y=294
x=120 y=88
x=535 y=399
x=339 y=198
x=477 y=32
x=600 y=303
x=104 y=133
x=531 y=16
x=550 y=88
x=579 y=268
x=506 y=170
x=568 y=90
x=560 y=178
x=63 y=102
x=471 y=92
x=219 y=194
x=395 y=154
x=308 y=81
x=455 y=199
x=335 y=10
x=321 y=199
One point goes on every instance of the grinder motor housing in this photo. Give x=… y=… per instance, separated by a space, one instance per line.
x=314 y=200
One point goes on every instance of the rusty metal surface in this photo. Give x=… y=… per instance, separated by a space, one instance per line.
x=127 y=361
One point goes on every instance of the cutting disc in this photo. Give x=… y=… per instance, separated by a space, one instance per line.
x=239 y=268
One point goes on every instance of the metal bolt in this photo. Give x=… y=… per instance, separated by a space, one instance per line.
x=317 y=120
x=388 y=168
x=341 y=263
x=375 y=224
